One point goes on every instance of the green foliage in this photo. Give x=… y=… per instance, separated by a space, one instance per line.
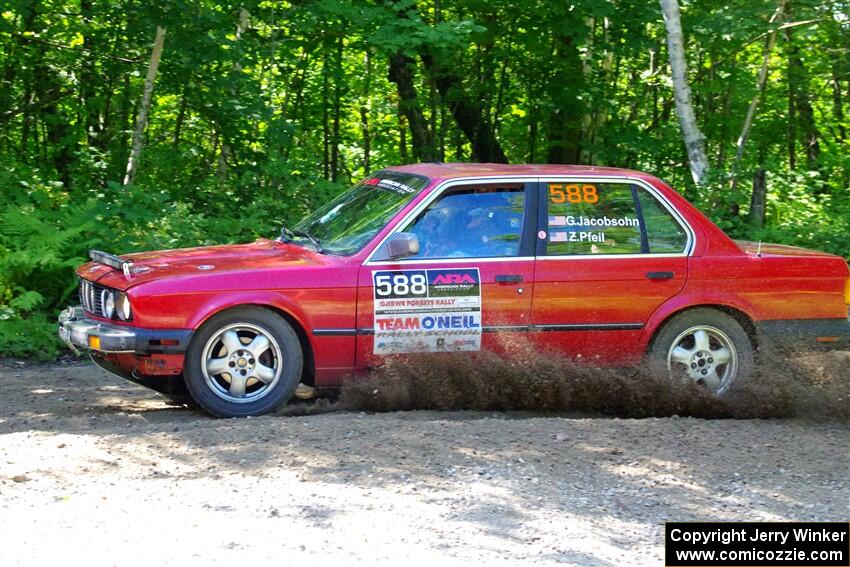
x=804 y=218
x=33 y=337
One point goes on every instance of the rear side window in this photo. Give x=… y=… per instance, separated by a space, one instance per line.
x=602 y=218
x=664 y=234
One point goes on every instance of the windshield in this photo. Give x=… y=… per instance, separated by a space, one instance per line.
x=347 y=223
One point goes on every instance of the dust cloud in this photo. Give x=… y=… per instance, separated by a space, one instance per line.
x=811 y=386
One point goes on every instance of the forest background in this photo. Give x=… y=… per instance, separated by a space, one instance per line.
x=256 y=112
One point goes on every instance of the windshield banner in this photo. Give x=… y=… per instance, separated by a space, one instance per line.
x=427 y=310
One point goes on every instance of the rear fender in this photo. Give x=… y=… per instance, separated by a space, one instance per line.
x=688 y=300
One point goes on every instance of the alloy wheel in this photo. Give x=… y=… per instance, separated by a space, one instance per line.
x=706 y=355
x=241 y=362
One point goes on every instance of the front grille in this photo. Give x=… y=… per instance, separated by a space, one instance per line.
x=91 y=296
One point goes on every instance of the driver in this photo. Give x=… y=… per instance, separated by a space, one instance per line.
x=438 y=231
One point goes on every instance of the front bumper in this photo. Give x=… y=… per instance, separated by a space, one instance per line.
x=79 y=332
x=806 y=334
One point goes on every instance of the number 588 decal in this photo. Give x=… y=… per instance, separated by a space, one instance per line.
x=409 y=283
x=572 y=193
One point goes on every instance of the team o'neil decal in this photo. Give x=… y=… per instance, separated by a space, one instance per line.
x=427 y=310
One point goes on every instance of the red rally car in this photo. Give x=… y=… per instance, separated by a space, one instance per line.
x=604 y=265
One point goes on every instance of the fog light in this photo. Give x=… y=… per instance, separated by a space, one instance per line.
x=94 y=342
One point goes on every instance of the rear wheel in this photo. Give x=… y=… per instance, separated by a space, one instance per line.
x=246 y=361
x=703 y=346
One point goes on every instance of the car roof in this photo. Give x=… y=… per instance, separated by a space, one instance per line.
x=458 y=170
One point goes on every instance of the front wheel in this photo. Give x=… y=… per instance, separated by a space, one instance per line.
x=704 y=346
x=246 y=361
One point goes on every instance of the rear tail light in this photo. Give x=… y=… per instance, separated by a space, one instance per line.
x=847 y=291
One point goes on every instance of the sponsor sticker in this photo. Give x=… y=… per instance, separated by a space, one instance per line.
x=391 y=185
x=427 y=310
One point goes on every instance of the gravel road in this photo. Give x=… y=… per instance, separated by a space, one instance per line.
x=95 y=469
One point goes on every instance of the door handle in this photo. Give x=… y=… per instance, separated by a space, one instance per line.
x=508 y=278
x=660 y=275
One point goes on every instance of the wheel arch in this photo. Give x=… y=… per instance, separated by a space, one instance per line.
x=308 y=372
x=736 y=312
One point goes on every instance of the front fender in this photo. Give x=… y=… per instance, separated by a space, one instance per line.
x=217 y=303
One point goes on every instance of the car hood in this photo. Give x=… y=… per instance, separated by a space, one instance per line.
x=185 y=262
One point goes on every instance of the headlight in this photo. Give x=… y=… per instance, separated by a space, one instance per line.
x=122 y=303
x=107 y=302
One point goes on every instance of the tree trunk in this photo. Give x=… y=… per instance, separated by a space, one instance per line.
x=468 y=114
x=144 y=108
x=125 y=122
x=759 y=197
x=433 y=101
x=563 y=125
x=837 y=104
x=401 y=74
x=760 y=84
x=89 y=81
x=13 y=58
x=458 y=143
x=224 y=157
x=803 y=104
x=181 y=115
x=694 y=140
x=337 y=97
x=441 y=146
x=326 y=155
x=596 y=119
x=653 y=71
x=532 y=134
x=365 y=110
x=29 y=99
x=792 y=114
x=298 y=86
x=402 y=135
x=725 y=110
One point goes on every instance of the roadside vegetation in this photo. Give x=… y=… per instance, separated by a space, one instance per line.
x=128 y=126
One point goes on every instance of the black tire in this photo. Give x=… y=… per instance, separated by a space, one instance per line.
x=214 y=391
x=723 y=332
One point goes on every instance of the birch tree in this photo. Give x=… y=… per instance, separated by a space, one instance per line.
x=694 y=140
x=760 y=85
x=144 y=108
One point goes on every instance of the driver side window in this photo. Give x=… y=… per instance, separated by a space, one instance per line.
x=471 y=222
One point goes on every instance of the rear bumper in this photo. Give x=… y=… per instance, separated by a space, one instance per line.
x=806 y=334
x=80 y=332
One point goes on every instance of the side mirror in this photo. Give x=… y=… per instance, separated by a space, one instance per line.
x=401 y=245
